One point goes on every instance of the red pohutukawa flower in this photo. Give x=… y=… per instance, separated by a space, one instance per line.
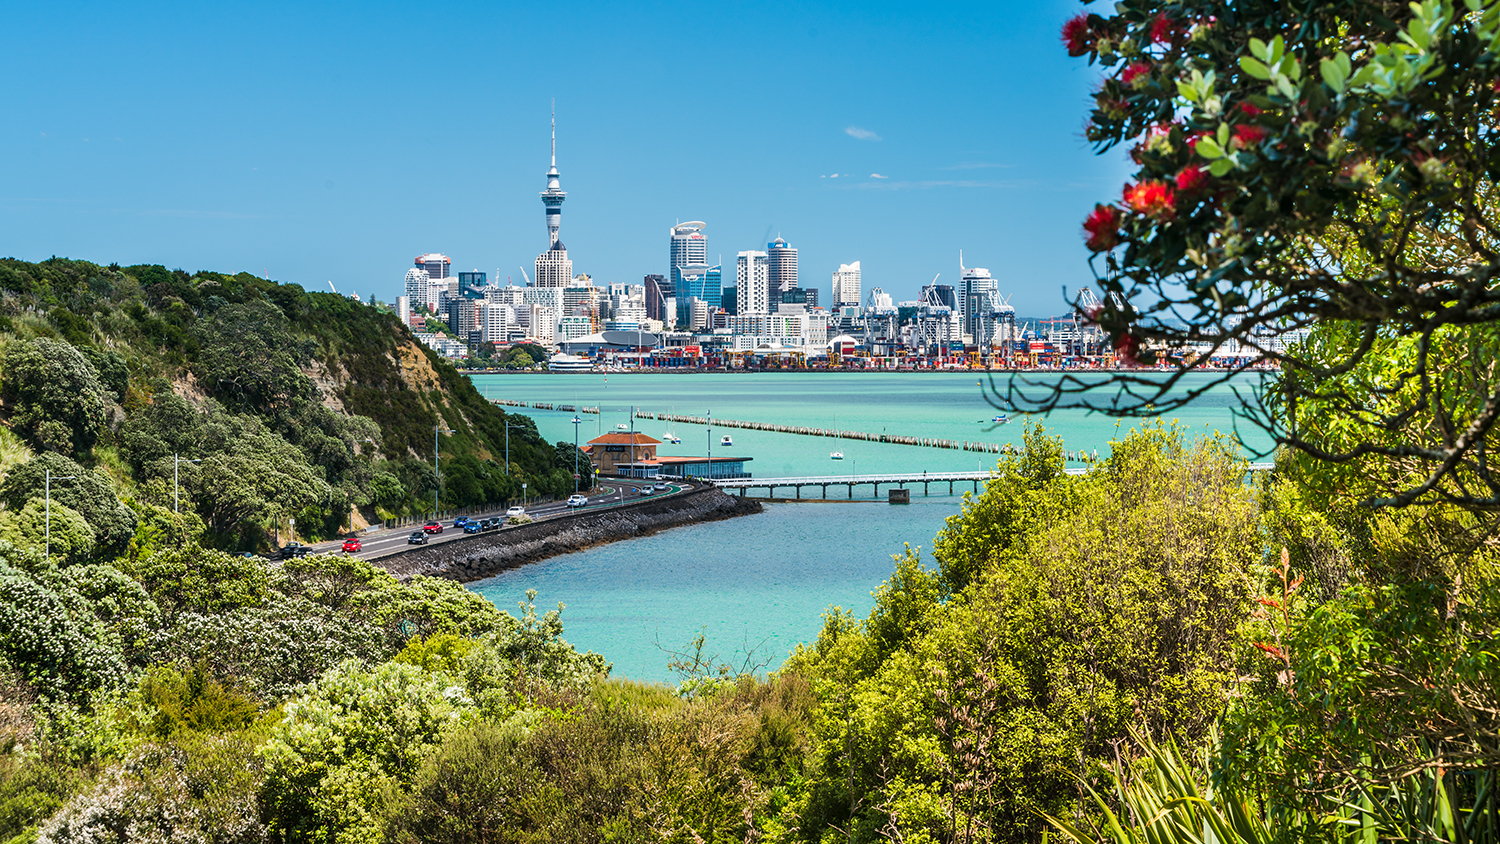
x=1249 y=136
x=1127 y=348
x=1077 y=36
x=1152 y=198
x=1193 y=138
x=1103 y=227
x=1250 y=110
x=1191 y=179
x=1133 y=72
x=1163 y=29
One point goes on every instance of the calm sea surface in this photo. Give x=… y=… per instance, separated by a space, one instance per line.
x=761 y=583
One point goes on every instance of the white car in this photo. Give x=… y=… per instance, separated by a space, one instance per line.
x=577 y=500
x=662 y=487
x=515 y=511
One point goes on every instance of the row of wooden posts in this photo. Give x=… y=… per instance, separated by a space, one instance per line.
x=807 y=431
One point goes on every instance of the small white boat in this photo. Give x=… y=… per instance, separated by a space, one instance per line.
x=671 y=438
x=727 y=440
x=835 y=455
x=622 y=427
x=1001 y=419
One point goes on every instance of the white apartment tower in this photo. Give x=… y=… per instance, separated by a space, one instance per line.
x=846 y=285
x=553 y=267
x=752 y=277
x=416 y=287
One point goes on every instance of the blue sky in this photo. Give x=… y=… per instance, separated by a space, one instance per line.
x=337 y=141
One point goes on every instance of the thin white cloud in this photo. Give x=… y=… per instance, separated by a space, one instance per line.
x=878 y=176
x=861 y=134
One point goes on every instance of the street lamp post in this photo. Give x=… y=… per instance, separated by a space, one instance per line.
x=508 y=426
x=175 y=461
x=710 y=470
x=47 y=528
x=576 y=423
x=437 y=479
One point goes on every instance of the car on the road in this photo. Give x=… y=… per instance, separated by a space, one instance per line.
x=515 y=511
x=490 y=524
x=292 y=550
x=417 y=538
x=645 y=490
x=461 y=521
x=353 y=545
x=662 y=487
x=433 y=526
x=577 y=500
x=472 y=526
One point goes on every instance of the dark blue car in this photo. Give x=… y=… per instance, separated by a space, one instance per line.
x=472 y=527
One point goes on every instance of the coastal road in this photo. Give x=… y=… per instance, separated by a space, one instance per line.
x=379 y=542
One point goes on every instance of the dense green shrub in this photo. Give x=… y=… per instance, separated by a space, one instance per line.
x=54 y=396
x=1066 y=611
x=196 y=790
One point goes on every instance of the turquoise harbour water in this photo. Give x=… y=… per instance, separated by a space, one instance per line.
x=762 y=583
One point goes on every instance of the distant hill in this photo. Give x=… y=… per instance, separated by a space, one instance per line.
x=277 y=402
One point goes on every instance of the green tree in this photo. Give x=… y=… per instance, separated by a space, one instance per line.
x=251 y=358
x=88 y=492
x=1289 y=159
x=54 y=396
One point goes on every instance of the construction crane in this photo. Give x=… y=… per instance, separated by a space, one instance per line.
x=525 y=276
x=334 y=289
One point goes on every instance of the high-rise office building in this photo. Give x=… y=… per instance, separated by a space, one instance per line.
x=752 y=283
x=472 y=281
x=730 y=301
x=798 y=295
x=553 y=267
x=978 y=299
x=461 y=316
x=846 y=285
x=941 y=294
x=700 y=282
x=687 y=246
x=781 y=265
x=435 y=264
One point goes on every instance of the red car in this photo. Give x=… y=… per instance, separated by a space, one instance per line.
x=352 y=545
x=432 y=527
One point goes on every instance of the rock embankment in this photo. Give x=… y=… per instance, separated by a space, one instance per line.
x=485 y=555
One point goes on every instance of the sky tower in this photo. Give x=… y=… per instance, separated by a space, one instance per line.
x=554 y=195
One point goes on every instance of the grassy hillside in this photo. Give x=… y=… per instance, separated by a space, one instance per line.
x=277 y=402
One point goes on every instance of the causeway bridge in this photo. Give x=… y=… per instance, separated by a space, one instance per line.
x=900 y=480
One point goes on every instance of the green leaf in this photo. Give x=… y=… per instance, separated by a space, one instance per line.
x=1333 y=76
x=1187 y=91
x=1208 y=148
x=1220 y=167
x=1255 y=67
x=1259 y=49
x=1284 y=85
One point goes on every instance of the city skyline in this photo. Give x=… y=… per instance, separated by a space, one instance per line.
x=887 y=134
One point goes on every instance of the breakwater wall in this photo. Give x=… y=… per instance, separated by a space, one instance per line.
x=545 y=405
x=487 y=554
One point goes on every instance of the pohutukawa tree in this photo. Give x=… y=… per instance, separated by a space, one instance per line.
x=1323 y=168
